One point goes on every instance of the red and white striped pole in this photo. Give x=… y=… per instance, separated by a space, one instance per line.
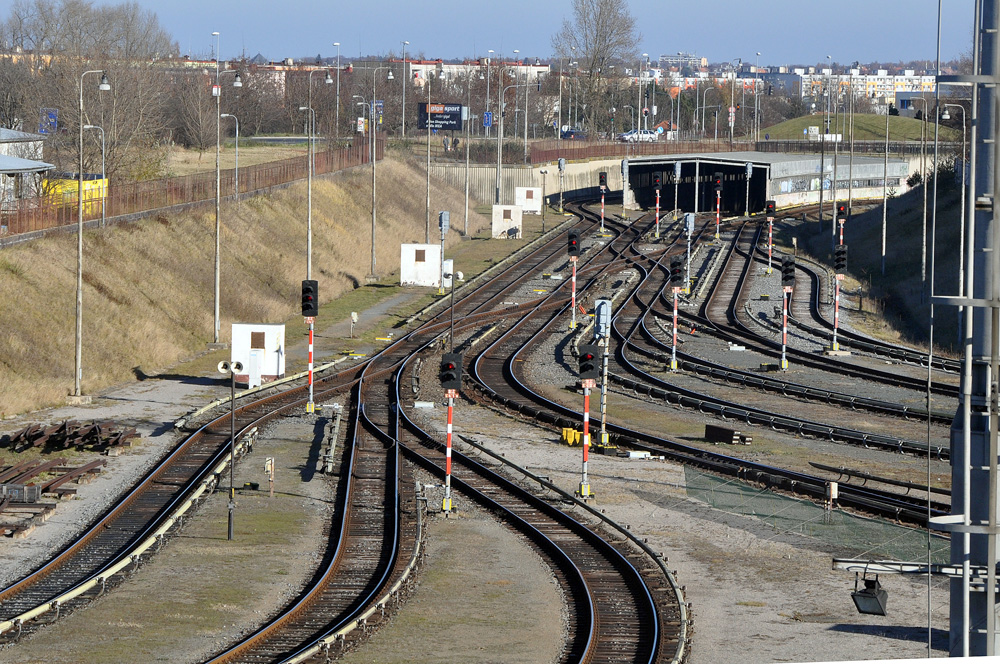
x=602 y=209
x=572 y=323
x=718 y=209
x=836 y=310
x=657 y=213
x=446 y=503
x=310 y=406
x=770 y=241
x=585 y=482
x=673 y=348
x=784 y=326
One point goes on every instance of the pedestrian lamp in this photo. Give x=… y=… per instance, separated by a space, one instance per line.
x=231 y=368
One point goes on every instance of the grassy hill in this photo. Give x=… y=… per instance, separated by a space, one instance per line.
x=866 y=128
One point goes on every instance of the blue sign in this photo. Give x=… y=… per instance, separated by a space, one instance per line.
x=48 y=121
x=488 y=119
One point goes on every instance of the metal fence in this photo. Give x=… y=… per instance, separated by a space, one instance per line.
x=857 y=536
x=137 y=198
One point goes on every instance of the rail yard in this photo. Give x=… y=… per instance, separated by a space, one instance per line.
x=825 y=418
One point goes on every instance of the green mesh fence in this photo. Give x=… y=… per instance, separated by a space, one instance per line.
x=859 y=537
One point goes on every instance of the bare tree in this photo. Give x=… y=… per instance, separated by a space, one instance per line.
x=601 y=33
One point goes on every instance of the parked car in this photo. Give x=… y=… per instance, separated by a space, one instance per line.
x=638 y=136
x=574 y=135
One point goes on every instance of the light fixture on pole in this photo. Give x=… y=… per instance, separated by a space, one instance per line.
x=236 y=179
x=104 y=177
x=406 y=81
x=337 y=121
x=78 y=369
x=543 y=172
x=232 y=369
x=489 y=58
x=756 y=103
x=704 y=100
x=871 y=599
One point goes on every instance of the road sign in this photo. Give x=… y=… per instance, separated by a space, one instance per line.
x=488 y=119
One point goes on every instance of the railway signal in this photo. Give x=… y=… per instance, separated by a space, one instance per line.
x=451 y=380
x=840 y=259
x=717 y=181
x=573 y=243
x=788 y=271
x=451 y=372
x=588 y=379
x=656 y=181
x=769 y=207
x=310 y=309
x=602 y=178
x=676 y=279
x=310 y=298
x=676 y=271
x=588 y=362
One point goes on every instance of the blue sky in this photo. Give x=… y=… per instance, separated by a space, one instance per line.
x=784 y=31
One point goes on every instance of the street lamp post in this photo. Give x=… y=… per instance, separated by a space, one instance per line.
x=704 y=100
x=543 y=172
x=78 y=369
x=217 y=92
x=488 y=77
x=406 y=80
x=756 y=103
x=104 y=177
x=236 y=183
x=312 y=127
x=366 y=108
x=337 y=131
x=500 y=109
x=232 y=369
x=923 y=185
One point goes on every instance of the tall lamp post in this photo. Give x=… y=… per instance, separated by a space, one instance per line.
x=337 y=131
x=78 y=370
x=104 y=177
x=312 y=127
x=488 y=77
x=756 y=104
x=406 y=81
x=923 y=185
x=704 y=100
x=217 y=93
x=236 y=183
x=232 y=369
x=309 y=192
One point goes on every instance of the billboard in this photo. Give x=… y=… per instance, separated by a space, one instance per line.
x=442 y=116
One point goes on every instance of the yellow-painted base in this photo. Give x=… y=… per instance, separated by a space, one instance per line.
x=310 y=407
x=673 y=365
x=784 y=365
x=446 y=505
x=584 y=491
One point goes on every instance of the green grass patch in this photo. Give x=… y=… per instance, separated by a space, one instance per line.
x=866 y=128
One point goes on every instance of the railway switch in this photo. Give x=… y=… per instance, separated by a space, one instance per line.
x=573 y=242
x=788 y=271
x=451 y=371
x=589 y=368
x=310 y=298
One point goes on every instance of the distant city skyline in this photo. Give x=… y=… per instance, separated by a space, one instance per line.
x=783 y=31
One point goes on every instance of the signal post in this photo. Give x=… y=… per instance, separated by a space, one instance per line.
x=769 y=207
x=787 y=286
x=656 y=185
x=589 y=372
x=573 y=248
x=717 y=181
x=676 y=278
x=839 y=267
x=451 y=381
x=310 y=309
x=603 y=180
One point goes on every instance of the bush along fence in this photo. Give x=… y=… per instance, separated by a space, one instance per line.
x=137 y=199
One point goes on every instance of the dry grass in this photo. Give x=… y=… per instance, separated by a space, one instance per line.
x=148 y=286
x=183 y=161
